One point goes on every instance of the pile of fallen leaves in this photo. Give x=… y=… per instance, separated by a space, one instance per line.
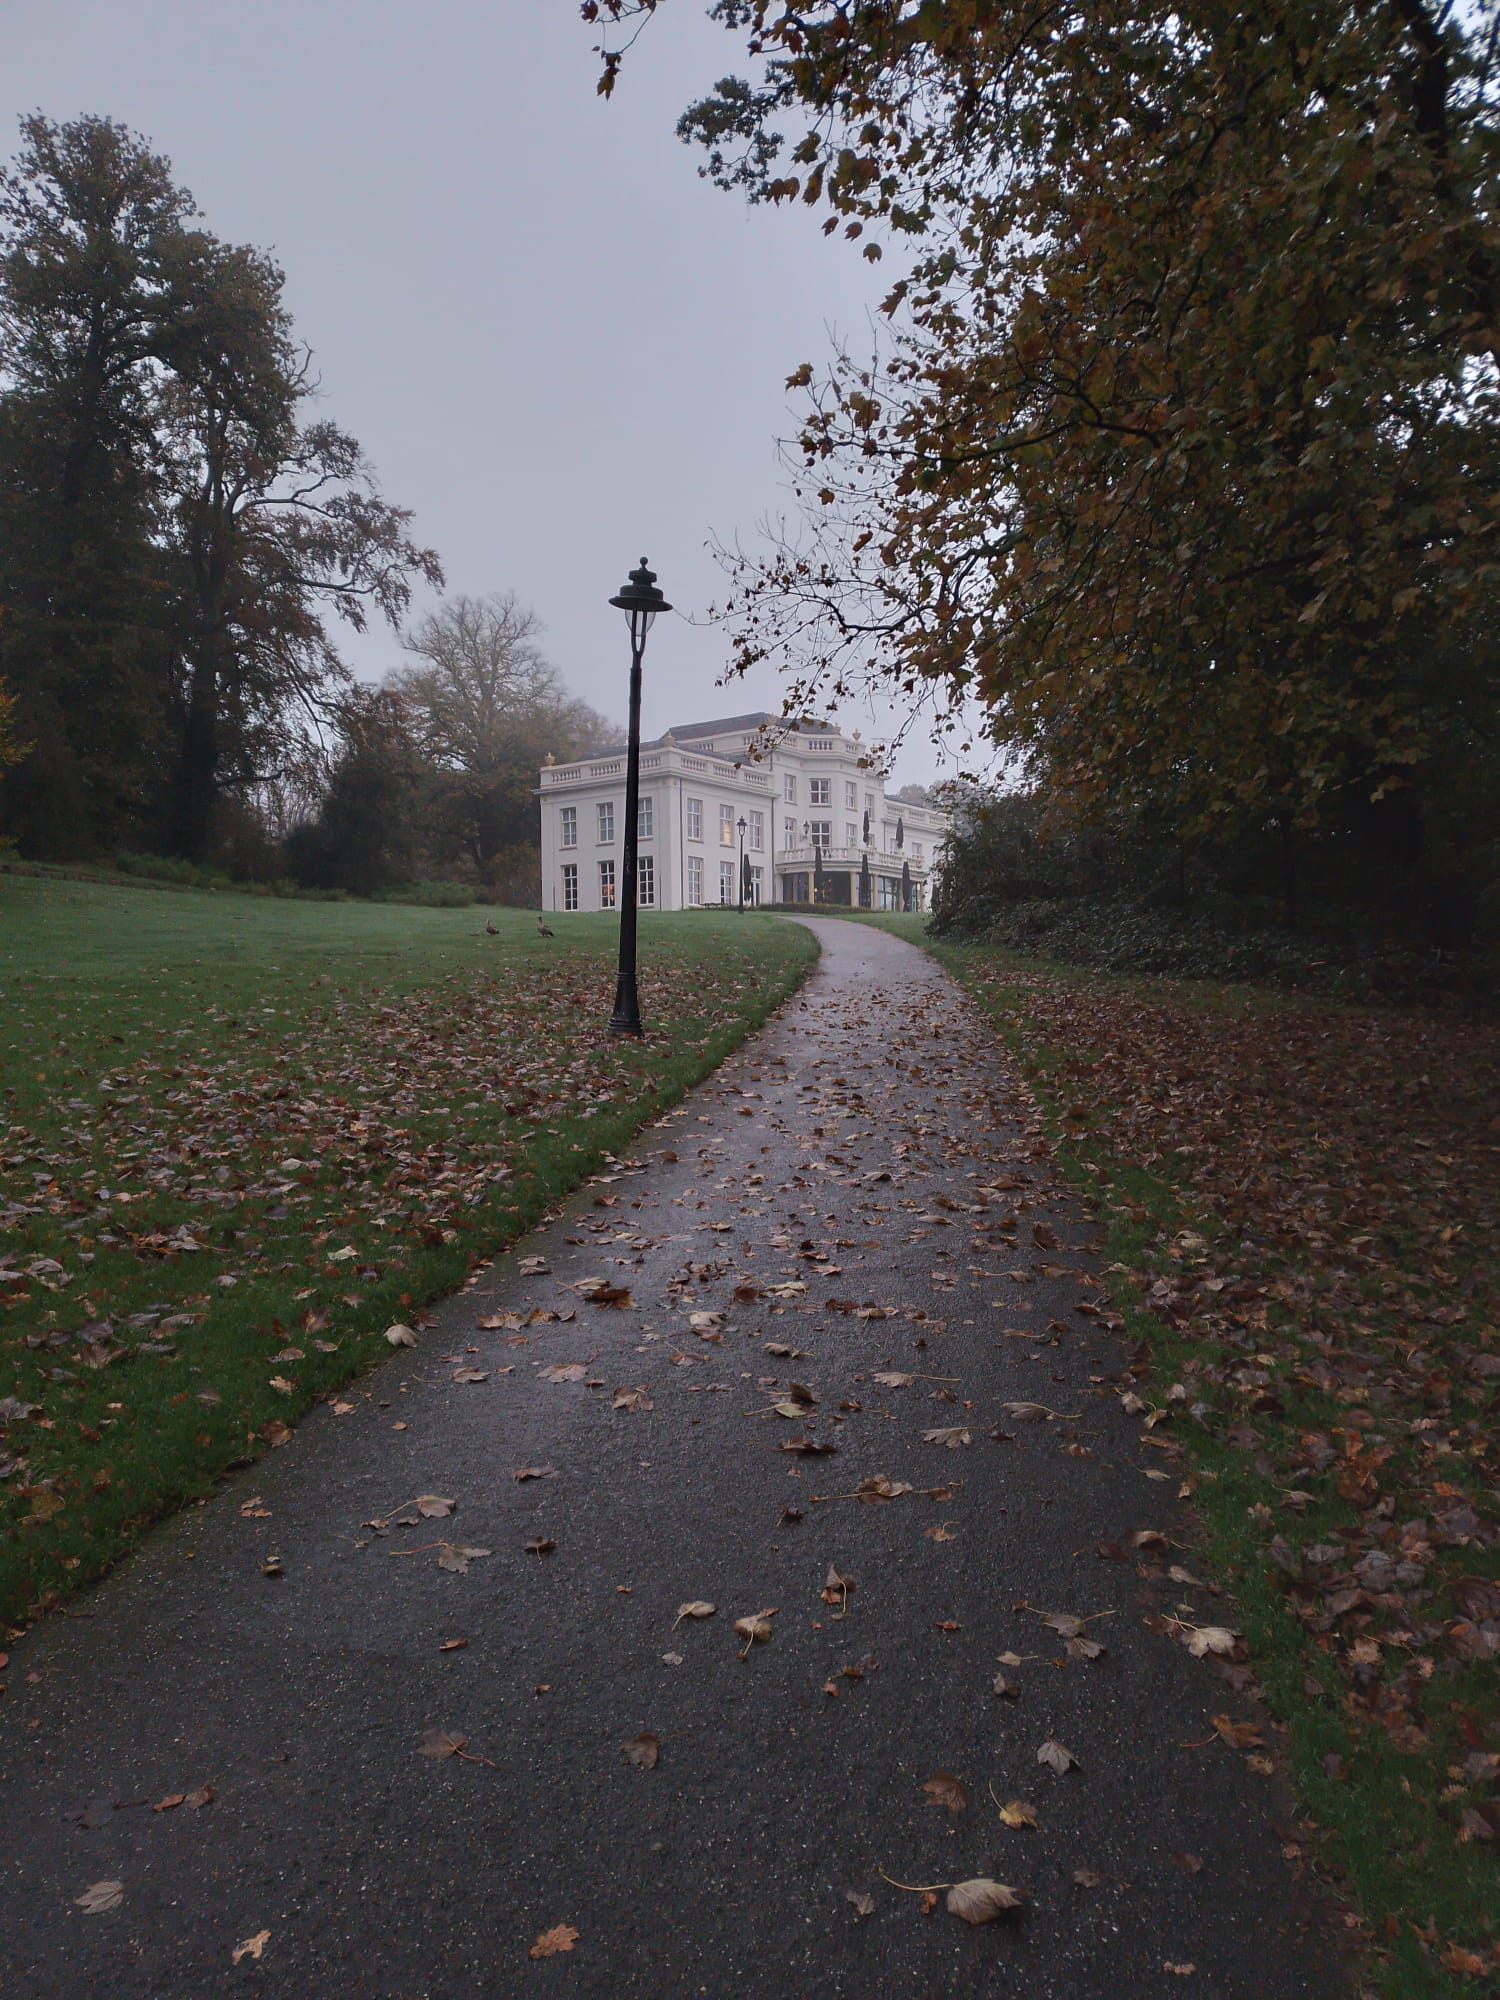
x=1307 y=1234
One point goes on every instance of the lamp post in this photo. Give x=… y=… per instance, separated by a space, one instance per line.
x=640 y=600
x=742 y=863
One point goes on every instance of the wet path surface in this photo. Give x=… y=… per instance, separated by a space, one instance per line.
x=855 y=1195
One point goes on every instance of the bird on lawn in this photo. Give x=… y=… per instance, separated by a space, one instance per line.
x=545 y=928
x=491 y=928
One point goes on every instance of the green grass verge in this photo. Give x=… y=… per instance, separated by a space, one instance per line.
x=240 y=1137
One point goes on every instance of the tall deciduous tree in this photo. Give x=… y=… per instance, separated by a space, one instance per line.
x=178 y=537
x=1184 y=455
x=487 y=707
x=91 y=234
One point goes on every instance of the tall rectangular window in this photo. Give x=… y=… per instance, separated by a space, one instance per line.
x=757 y=830
x=890 y=893
x=726 y=826
x=606 y=885
x=822 y=833
x=643 y=819
x=726 y=882
x=695 y=880
x=916 y=852
x=820 y=791
x=607 y=820
x=851 y=794
x=570 y=885
x=789 y=833
x=757 y=884
x=789 y=789
x=870 y=802
x=695 y=819
x=570 y=826
x=645 y=875
x=851 y=834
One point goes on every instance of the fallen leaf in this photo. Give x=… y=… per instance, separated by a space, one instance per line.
x=836 y=1588
x=470 y=1375
x=534 y=1472
x=980 y=1900
x=170 y=1802
x=1056 y=1757
x=864 y=1903
x=755 y=1630
x=943 y=1532
x=562 y=1937
x=454 y=1556
x=642 y=1751
x=952 y=1437
x=452 y=1645
x=706 y=1322
x=252 y=1947
x=433 y=1507
x=696 y=1607
x=540 y=1545
x=203 y=1796
x=1086 y=1878
x=946 y=1790
x=99 y=1897
x=1238 y=1735
x=1004 y=1685
x=564 y=1371
x=1188 y=1863
x=1017 y=1814
x=808 y=1447
x=893 y=1378
x=633 y=1399
x=533 y=1267
x=400 y=1336
x=1203 y=1639
x=440 y=1743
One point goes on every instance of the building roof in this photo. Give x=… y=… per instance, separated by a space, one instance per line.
x=725 y=725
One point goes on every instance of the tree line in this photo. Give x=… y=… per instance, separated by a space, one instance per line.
x=1180 y=451
x=181 y=536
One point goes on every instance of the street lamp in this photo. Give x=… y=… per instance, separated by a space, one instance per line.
x=640 y=600
x=742 y=863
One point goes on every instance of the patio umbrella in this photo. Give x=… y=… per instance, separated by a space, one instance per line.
x=906 y=885
x=817 y=874
x=864 y=882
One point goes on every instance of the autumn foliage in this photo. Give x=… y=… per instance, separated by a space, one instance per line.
x=1181 y=455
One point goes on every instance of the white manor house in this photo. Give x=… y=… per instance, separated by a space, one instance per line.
x=817 y=825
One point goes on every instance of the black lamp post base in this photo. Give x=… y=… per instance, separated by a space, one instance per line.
x=626 y=1019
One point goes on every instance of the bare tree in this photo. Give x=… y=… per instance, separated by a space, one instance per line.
x=486 y=706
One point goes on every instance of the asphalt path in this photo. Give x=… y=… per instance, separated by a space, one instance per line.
x=861 y=1191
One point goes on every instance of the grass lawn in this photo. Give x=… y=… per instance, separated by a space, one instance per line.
x=1304 y=1241
x=239 y=1138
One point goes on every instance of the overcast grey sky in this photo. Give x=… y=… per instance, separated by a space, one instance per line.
x=557 y=343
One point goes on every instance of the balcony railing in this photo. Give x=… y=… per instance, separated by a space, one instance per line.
x=881 y=862
x=716 y=770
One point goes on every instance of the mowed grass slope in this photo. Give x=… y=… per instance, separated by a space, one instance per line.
x=239 y=1138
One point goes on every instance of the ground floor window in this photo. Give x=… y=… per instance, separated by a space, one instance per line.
x=757 y=884
x=570 y=885
x=797 y=888
x=695 y=881
x=726 y=882
x=645 y=868
x=606 y=885
x=890 y=892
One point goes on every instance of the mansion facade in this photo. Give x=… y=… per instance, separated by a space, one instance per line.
x=796 y=806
